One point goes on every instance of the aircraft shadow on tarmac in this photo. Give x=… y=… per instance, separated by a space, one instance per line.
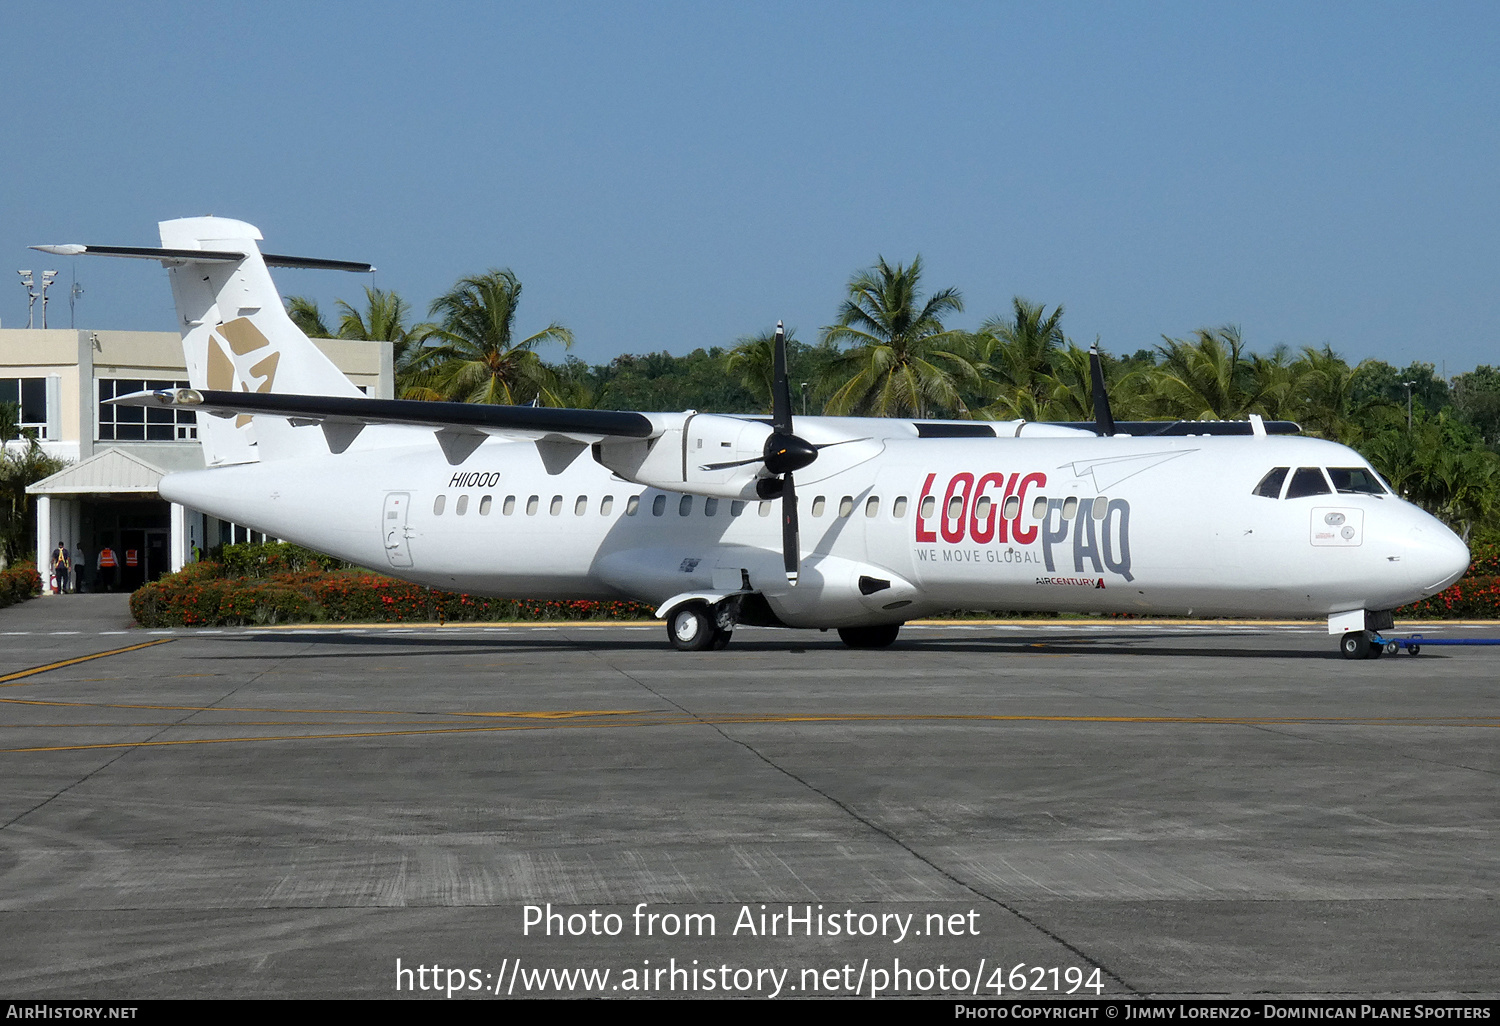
x=1231 y=645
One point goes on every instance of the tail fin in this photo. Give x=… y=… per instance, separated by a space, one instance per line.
x=238 y=337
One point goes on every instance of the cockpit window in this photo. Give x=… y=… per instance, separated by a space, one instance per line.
x=1356 y=480
x=1307 y=481
x=1270 y=485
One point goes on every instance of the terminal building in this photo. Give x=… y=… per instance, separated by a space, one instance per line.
x=107 y=496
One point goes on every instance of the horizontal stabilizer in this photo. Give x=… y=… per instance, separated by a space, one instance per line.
x=203 y=256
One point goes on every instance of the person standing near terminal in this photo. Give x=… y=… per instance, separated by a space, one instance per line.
x=62 y=566
x=105 y=576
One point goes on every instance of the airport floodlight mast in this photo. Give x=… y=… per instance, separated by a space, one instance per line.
x=32 y=295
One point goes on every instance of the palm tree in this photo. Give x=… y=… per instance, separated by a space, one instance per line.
x=473 y=355
x=1209 y=377
x=903 y=361
x=752 y=361
x=305 y=314
x=384 y=319
x=1017 y=354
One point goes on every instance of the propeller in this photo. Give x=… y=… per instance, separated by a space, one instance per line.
x=783 y=455
x=1104 y=420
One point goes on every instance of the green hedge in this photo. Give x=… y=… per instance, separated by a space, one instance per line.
x=19 y=583
x=262 y=590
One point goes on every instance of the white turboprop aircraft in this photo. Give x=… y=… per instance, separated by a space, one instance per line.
x=698 y=513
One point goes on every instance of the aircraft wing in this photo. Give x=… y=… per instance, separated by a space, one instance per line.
x=460 y=427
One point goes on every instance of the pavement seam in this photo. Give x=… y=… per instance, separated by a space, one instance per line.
x=127 y=751
x=871 y=825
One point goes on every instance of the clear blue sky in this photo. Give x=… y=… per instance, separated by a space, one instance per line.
x=674 y=175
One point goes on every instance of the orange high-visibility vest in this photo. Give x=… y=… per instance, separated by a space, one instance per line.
x=107 y=559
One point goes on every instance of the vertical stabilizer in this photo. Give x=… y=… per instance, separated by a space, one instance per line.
x=237 y=337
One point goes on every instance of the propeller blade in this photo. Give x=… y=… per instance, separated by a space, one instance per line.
x=781 y=388
x=791 y=551
x=783 y=451
x=1104 y=420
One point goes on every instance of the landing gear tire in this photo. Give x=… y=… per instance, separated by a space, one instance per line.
x=869 y=637
x=691 y=628
x=1355 y=645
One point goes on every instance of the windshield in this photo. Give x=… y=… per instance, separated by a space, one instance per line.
x=1355 y=480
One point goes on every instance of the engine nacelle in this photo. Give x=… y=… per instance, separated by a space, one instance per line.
x=675 y=459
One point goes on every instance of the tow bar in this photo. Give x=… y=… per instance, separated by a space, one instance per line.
x=1414 y=644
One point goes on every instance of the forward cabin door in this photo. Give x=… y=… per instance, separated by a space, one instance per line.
x=396 y=532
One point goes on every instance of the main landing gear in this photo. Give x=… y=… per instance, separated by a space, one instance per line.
x=694 y=627
x=699 y=627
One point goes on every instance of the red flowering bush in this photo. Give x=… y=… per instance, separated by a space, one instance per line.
x=1473 y=598
x=19 y=583
x=269 y=586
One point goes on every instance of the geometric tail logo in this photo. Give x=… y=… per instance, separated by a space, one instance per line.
x=240 y=359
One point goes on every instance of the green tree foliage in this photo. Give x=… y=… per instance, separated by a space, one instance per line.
x=901 y=360
x=21 y=465
x=472 y=354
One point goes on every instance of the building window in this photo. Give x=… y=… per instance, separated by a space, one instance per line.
x=138 y=423
x=30 y=398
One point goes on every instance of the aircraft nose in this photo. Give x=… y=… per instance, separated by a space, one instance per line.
x=1436 y=556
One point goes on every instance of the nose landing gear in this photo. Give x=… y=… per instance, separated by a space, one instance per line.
x=1364 y=645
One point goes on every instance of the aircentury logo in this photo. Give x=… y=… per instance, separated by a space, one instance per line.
x=228 y=371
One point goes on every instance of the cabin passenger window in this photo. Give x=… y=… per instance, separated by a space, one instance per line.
x=846 y=505
x=1070 y=507
x=685 y=505
x=1012 y=507
x=1355 y=481
x=463 y=505
x=510 y=505
x=955 y=507
x=710 y=507
x=929 y=507
x=1101 y=508
x=898 y=508
x=765 y=508
x=632 y=505
x=1039 y=507
x=531 y=505
x=438 y=504
x=555 y=507
x=606 y=505
x=1270 y=485
x=1307 y=481
x=982 y=507
x=817 y=507
x=658 y=505
x=581 y=506
x=872 y=506
x=485 y=504
x=736 y=507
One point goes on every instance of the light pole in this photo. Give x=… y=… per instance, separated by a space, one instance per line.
x=1408 y=385
x=47 y=277
x=27 y=281
x=804 y=397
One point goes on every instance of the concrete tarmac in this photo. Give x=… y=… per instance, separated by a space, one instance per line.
x=1206 y=811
